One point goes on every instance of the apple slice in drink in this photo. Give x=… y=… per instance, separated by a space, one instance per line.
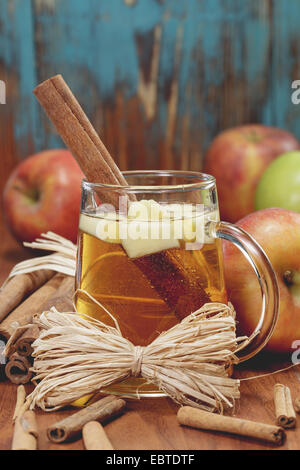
x=175 y=277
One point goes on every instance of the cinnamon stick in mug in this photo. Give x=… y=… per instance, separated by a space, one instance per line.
x=99 y=167
x=200 y=419
x=101 y=410
x=77 y=132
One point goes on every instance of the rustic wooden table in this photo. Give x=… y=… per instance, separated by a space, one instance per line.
x=151 y=423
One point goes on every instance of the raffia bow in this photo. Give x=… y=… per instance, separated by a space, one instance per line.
x=76 y=355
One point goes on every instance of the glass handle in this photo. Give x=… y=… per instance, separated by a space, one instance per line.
x=267 y=281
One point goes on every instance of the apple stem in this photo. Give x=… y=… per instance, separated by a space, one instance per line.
x=288 y=277
x=31 y=194
x=291 y=277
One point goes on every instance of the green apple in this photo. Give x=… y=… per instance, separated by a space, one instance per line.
x=237 y=158
x=279 y=185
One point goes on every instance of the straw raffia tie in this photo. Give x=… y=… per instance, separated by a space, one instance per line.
x=76 y=355
x=136 y=367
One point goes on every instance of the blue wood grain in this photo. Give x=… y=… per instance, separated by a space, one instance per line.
x=159 y=78
x=18 y=65
x=285 y=65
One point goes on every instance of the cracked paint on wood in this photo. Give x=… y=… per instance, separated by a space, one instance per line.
x=158 y=78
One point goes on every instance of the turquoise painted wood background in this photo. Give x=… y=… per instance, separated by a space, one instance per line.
x=158 y=78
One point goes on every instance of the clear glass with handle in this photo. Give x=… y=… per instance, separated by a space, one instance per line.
x=151 y=253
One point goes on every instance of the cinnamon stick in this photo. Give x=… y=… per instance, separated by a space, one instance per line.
x=185 y=291
x=200 y=419
x=61 y=300
x=284 y=410
x=17 y=369
x=23 y=344
x=21 y=396
x=176 y=283
x=10 y=347
x=101 y=410
x=19 y=287
x=21 y=340
x=94 y=437
x=77 y=132
x=22 y=315
x=25 y=432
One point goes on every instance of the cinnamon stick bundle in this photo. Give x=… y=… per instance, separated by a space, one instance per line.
x=19 y=287
x=101 y=410
x=22 y=315
x=199 y=419
x=61 y=300
x=21 y=340
x=17 y=369
x=23 y=344
x=57 y=293
x=184 y=294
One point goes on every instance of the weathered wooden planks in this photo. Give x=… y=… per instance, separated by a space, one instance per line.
x=158 y=78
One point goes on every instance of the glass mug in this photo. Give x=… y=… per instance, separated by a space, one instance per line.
x=152 y=254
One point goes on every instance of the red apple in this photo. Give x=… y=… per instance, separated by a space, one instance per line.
x=43 y=194
x=237 y=159
x=278 y=232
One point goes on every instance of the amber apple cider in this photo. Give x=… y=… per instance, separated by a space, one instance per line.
x=111 y=275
